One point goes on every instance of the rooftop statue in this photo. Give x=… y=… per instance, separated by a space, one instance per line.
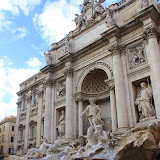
x=48 y=57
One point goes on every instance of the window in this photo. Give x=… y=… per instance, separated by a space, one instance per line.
x=32 y=131
x=25 y=85
x=23 y=105
x=10 y=150
x=12 y=128
x=12 y=139
x=3 y=128
x=34 y=99
x=21 y=135
x=2 y=138
x=0 y=130
x=1 y=149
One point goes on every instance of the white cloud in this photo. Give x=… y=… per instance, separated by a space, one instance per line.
x=56 y=20
x=9 y=85
x=19 y=32
x=34 y=62
x=57 y=17
x=9 y=8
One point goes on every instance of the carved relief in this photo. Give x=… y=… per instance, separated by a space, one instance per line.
x=136 y=56
x=61 y=89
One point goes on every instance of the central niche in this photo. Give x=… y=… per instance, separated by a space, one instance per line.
x=94 y=82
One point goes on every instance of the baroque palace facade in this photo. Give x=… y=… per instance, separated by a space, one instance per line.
x=112 y=58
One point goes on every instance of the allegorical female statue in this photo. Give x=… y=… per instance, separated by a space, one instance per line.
x=61 y=124
x=143 y=102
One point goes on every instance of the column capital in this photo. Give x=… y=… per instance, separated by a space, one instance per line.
x=19 y=103
x=29 y=98
x=48 y=82
x=111 y=87
x=40 y=93
x=79 y=97
x=150 y=32
x=68 y=72
x=116 y=49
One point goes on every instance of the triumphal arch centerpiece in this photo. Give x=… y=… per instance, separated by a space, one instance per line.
x=99 y=94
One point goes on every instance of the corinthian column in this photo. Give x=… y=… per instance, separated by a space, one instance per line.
x=80 y=119
x=113 y=109
x=69 y=129
x=121 y=103
x=40 y=105
x=29 y=99
x=150 y=34
x=17 y=123
x=48 y=109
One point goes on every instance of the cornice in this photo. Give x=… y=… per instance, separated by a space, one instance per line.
x=66 y=57
x=112 y=32
x=149 y=12
x=26 y=89
x=48 y=68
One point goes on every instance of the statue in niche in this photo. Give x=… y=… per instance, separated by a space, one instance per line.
x=143 y=101
x=142 y=4
x=61 y=89
x=93 y=113
x=61 y=124
x=137 y=56
x=48 y=57
x=109 y=18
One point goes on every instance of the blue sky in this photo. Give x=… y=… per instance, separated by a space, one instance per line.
x=27 y=28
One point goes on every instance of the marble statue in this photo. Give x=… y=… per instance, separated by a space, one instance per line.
x=52 y=148
x=61 y=124
x=66 y=45
x=48 y=57
x=143 y=102
x=91 y=138
x=79 y=20
x=109 y=19
x=98 y=8
x=93 y=113
x=101 y=135
x=42 y=149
